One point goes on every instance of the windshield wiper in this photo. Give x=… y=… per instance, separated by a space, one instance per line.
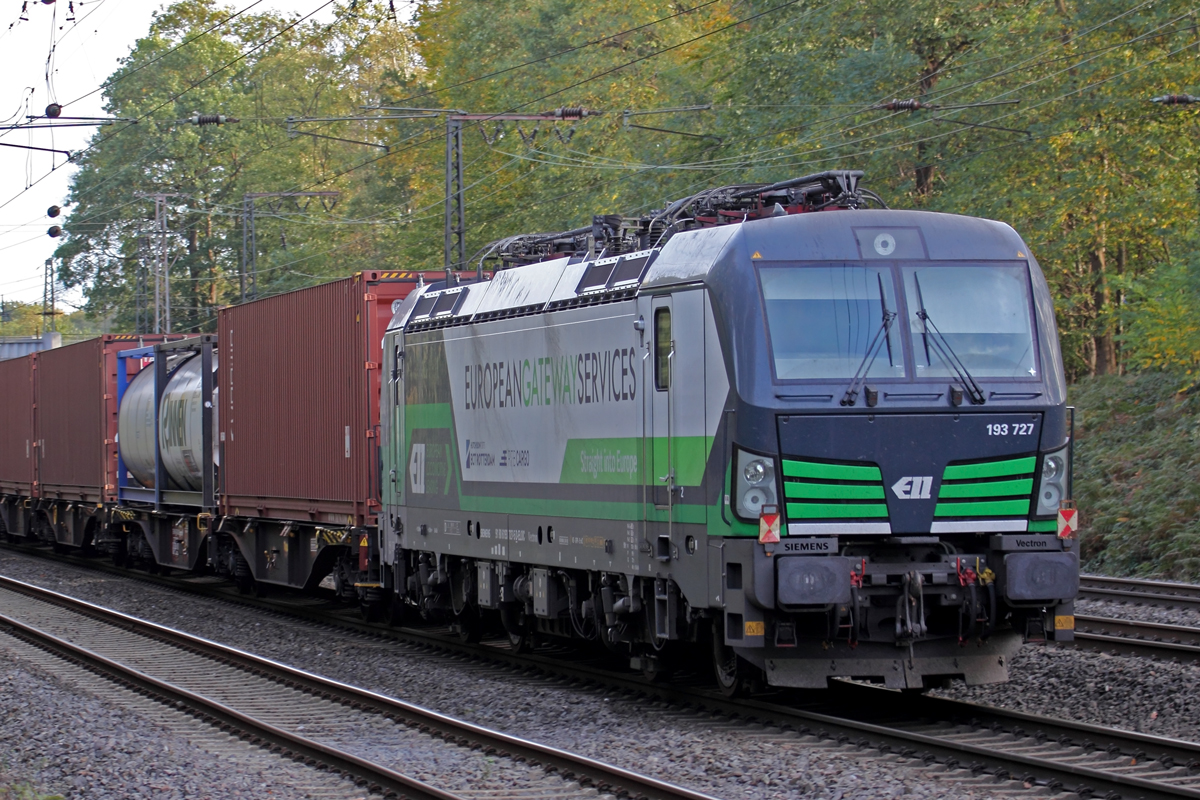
x=945 y=352
x=868 y=359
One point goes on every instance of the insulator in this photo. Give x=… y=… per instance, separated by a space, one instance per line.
x=1176 y=99
x=904 y=105
x=54 y=232
x=53 y=211
x=570 y=112
x=54 y=109
x=210 y=119
x=47 y=2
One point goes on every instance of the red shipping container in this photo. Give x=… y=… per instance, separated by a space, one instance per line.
x=76 y=422
x=300 y=376
x=18 y=451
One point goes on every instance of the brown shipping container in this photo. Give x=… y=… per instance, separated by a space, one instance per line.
x=17 y=443
x=299 y=394
x=76 y=421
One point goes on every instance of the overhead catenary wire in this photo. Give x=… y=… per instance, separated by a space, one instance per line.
x=489 y=221
x=199 y=82
x=703 y=165
x=567 y=51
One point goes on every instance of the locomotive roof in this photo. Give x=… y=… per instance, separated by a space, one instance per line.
x=690 y=256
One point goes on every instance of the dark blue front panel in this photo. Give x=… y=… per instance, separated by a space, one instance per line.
x=913 y=452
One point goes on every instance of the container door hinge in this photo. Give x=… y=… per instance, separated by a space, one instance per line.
x=370 y=297
x=370 y=365
x=370 y=433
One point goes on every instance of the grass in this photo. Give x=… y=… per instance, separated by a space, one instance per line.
x=23 y=791
x=1137 y=475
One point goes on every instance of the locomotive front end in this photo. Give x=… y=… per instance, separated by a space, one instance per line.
x=899 y=449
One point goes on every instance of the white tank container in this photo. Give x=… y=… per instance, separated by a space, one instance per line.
x=180 y=426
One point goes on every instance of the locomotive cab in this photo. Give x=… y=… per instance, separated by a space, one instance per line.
x=900 y=448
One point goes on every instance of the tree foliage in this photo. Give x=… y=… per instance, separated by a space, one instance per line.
x=1040 y=117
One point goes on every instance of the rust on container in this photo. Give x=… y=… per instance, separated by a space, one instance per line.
x=299 y=388
x=75 y=389
x=18 y=445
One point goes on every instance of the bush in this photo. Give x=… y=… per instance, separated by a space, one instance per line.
x=1137 y=474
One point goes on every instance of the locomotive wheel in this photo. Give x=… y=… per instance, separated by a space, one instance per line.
x=519 y=629
x=470 y=625
x=521 y=642
x=731 y=672
x=658 y=669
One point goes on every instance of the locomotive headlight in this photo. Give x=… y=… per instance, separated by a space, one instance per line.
x=1050 y=496
x=755 y=484
x=1053 y=484
x=758 y=472
x=1052 y=467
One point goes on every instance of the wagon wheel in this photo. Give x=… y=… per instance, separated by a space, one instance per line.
x=374 y=609
x=399 y=612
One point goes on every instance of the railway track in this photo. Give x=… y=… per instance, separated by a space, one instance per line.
x=272 y=704
x=1147 y=593
x=989 y=743
x=1145 y=639
x=1065 y=756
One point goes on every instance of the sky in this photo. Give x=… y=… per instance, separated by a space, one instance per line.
x=86 y=52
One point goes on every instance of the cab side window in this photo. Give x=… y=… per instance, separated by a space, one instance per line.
x=662 y=349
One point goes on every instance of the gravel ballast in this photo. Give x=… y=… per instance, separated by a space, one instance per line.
x=1126 y=692
x=729 y=760
x=61 y=740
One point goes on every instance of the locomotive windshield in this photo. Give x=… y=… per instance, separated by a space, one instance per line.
x=823 y=319
x=982 y=311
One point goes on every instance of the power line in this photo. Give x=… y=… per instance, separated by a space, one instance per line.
x=156 y=59
x=179 y=94
x=552 y=56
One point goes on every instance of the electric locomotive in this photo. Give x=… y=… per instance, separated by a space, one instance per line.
x=810 y=435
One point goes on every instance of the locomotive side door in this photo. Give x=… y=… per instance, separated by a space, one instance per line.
x=392 y=412
x=660 y=456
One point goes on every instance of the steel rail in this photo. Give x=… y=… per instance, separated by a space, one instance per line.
x=570 y=766
x=1144 y=639
x=379 y=778
x=833 y=716
x=1142 y=592
x=1023 y=732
